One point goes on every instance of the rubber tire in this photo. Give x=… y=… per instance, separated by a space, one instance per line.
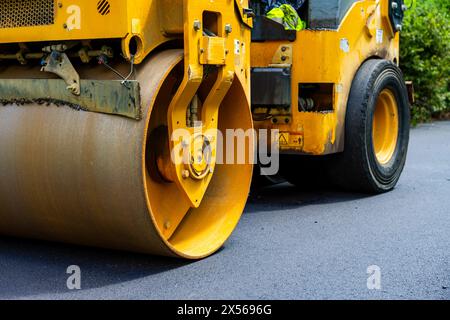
x=356 y=168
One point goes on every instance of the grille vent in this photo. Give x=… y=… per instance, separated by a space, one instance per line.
x=26 y=13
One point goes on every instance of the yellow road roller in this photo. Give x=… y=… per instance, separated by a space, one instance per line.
x=91 y=94
x=325 y=79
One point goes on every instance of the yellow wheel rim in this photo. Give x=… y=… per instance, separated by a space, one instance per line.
x=385 y=126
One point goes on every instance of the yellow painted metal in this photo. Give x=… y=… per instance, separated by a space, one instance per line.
x=330 y=56
x=80 y=20
x=148 y=22
x=283 y=56
x=235 y=66
x=385 y=126
x=95 y=179
x=212 y=50
x=75 y=20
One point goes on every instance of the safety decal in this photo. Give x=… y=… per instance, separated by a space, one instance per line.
x=291 y=141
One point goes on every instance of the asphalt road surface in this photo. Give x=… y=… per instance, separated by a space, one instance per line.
x=289 y=245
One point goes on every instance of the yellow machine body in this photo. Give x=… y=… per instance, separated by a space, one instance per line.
x=150 y=23
x=92 y=166
x=330 y=59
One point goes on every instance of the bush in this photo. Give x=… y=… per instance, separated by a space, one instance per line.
x=425 y=56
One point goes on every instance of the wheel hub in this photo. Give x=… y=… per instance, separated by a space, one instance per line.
x=199 y=157
x=385 y=126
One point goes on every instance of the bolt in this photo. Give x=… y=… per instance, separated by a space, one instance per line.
x=185 y=174
x=394 y=5
x=399 y=27
x=197 y=25
x=60 y=5
x=404 y=7
x=283 y=49
x=283 y=58
x=65 y=25
x=167 y=224
x=228 y=28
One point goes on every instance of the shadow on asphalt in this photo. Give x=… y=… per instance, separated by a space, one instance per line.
x=32 y=267
x=287 y=196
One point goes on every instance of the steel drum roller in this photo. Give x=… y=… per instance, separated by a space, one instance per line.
x=85 y=178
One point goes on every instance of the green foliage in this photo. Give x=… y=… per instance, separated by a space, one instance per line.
x=425 y=56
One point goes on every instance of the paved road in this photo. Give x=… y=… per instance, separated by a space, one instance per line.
x=289 y=245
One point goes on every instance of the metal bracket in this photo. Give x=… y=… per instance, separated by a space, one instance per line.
x=109 y=96
x=212 y=51
x=283 y=57
x=59 y=63
x=246 y=14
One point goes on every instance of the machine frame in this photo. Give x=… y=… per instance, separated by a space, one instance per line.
x=328 y=59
